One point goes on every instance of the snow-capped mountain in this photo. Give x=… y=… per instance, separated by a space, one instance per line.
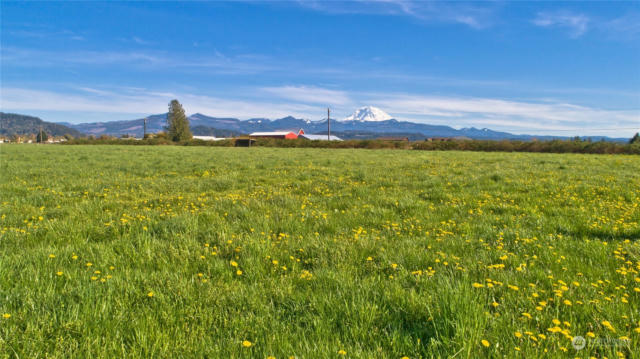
x=369 y=114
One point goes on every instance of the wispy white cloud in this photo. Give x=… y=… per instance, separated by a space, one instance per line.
x=25 y=57
x=40 y=32
x=621 y=28
x=307 y=94
x=140 y=41
x=576 y=24
x=505 y=114
x=470 y=14
x=624 y=27
x=137 y=59
x=94 y=91
x=140 y=101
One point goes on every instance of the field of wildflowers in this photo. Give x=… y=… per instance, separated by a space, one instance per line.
x=114 y=251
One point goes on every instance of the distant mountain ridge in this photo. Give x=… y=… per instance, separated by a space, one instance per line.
x=366 y=123
x=365 y=128
x=16 y=124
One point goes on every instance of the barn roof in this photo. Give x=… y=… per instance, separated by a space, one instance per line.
x=275 y=133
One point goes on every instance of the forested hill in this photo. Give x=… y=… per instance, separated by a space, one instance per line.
x=15 y=124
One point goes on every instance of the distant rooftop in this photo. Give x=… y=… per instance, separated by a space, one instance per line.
x=320 y=137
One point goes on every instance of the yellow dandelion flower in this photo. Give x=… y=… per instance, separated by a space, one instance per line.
x=342 y=352
x=608 y=325
x=239 y=272
x=591 y=335
x=477 y=285
x=233 y=263
x=518 y=335
x=6 y=315
x=246 y=343
x=567 y=302
x=485 y=343
x=58 y=273
x=150 y=294
x=527 y=315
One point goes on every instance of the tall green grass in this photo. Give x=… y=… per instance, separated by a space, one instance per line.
x=128 y=251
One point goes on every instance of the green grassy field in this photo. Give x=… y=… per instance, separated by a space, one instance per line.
x=168 y=251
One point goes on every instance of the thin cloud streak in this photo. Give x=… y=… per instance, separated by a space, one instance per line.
x=626 y=27
x=306 y=94
x=577 y=24
x=508 y=115
x=473 y=16
x=136 y=59
x=217 y=63
x=144 y=102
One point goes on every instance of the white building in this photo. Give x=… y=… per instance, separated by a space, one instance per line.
x=208 y=138
x=320 y=137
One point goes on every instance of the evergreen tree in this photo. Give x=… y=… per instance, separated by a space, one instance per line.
x=178 y=124
x=41 y=137
x=635 y=138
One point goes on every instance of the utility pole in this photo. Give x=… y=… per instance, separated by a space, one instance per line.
x=328 y=125
x=144 y=135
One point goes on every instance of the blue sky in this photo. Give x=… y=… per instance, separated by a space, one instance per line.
x=524 y=67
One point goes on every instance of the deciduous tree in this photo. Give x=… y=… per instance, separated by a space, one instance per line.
x=178 y=124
